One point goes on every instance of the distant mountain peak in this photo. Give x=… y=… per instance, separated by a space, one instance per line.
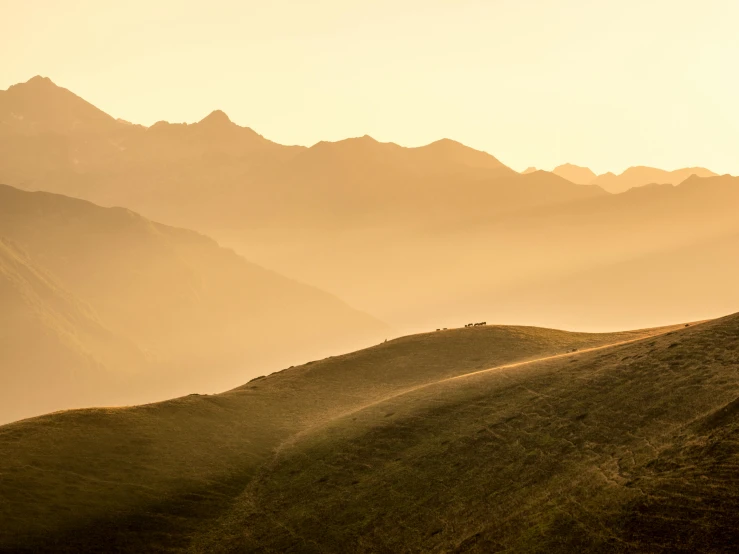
x=447 y=141
x=216 y=117
x=640 y=175
x=575 y=173
x=36 y=85
x=528 y=170
x=366 y=139
x=355 y=142
x=39 y=105
x=456 y=152
x=39 y=80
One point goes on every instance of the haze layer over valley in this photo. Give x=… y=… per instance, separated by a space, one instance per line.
x=418 y=237
x=103 y=306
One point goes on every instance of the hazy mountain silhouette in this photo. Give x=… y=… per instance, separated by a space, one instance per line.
x=633 y=177
x=488 y=269
x=180 y=298
x=48 y=132
x=39 y=106
x=360 y=181
x=494 y=438
x=640 y=175
x=420 y=237
x=215 y=174
x=697 y=280
x=529 y=170
x=644 y=257
x=54 y=351
x=575 y=173
x=215 y=138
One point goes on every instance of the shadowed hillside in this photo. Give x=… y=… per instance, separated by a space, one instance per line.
x=182 y=300
x=152 y=476
x=627 y=449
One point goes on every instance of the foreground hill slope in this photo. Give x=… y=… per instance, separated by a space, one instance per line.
x=158 y=476
x=627 y=449
x=180 y=298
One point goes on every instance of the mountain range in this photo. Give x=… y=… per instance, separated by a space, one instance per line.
x=215 y=174
x=637 y=176
x=418 y=237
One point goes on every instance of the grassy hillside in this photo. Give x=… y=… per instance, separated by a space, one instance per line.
x=185 y=302
x=160 y=476
x=627 y=449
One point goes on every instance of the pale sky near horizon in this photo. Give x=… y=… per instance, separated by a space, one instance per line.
x=602 y=83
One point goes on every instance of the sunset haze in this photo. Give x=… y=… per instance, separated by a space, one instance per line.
x=606 y=84
x=336 y=277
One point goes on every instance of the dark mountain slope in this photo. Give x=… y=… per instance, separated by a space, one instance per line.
x=147 y=478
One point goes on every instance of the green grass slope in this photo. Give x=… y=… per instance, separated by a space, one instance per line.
x=632 y=448
x=158 y=476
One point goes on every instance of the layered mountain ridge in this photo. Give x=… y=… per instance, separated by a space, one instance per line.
x=140 y=308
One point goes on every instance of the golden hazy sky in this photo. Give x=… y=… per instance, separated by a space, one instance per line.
x=602 y=83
